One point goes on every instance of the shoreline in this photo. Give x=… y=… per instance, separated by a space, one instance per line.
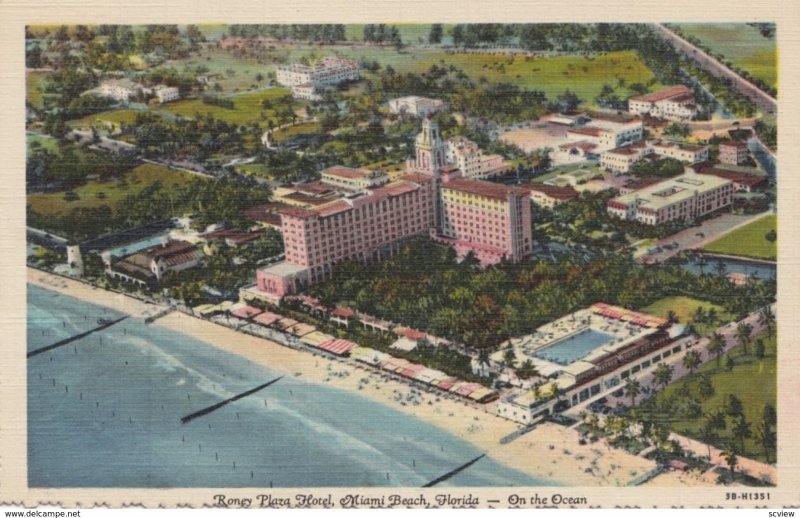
x=548 y=452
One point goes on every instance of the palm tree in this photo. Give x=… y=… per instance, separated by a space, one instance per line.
x=720 y=268
x=672 y=317
x=483 y=357
x=767 y=319
x=509 y=358
x=632 y=389
x=527 y=370
x=730 y=457
x=741 y=430
x=663 y=374
x=744 y=334
x=716 y=346
x=691 y=360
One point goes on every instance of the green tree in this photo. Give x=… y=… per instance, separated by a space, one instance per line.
x=509 y=358
x=767 y=319
x=663 y=375
x=731 y=459
x=435 y=36
x=744 y=333
x=741 y=430
x=691 y=360
x=632 y=389
x=527 y=370
x=766 y=434
x=716 y=346
x=729 y=363
x=733 y=406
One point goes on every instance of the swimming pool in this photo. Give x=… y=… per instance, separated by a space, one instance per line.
x=574 y=348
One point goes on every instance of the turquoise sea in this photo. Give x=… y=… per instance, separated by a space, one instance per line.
x=105 y=411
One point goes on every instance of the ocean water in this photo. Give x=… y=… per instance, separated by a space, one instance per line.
x=104 y=411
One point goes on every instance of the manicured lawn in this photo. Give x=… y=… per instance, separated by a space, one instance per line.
x=752 y=380
x=247 y=107
x=113 y=117
x=748 y=241
x=684 y=308
x=741 y=44
x=114 y=191
x=303 y=128
x=584 y=75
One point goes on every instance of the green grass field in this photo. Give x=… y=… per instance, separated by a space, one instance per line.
x=748 y=241
x=113 y=192
x=303 y=128
x=752 y=380
x=741 y=44
x=684 y=308
x=552 y=74
x=247 y=107
x=113 y=117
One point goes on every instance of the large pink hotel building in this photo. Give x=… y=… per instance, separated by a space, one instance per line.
x=493 y=221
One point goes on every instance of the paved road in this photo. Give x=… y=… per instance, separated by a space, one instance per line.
x=764 y=101
x=697 y=237
x=728 y=331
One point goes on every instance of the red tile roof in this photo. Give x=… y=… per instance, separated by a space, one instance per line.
x=307 y=198
x=587 y=130
x=663 y=94
x=174 y=247
x=481 y=188
x=554 y=191
x=334 y=208
x=750 y=180
x=581 y=144
x=734 y=143
x=339 y=311
x=297 y=212
x=345 y=172
x=613 y=117
x=265 y=213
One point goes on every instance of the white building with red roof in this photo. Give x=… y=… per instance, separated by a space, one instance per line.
x=674 y=104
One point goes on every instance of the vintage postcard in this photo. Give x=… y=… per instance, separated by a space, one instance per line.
x=393 y=260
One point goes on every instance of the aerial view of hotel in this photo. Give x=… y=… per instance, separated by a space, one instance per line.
x=421 y=255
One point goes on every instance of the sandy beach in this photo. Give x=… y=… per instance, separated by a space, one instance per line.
x=549 y=451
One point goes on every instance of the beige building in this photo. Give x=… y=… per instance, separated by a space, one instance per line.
x=733 y=152
x=328 y=71
x=621 y=159
x=353 y=179
x=416 y=105
x=674 y=104
x=685 y=197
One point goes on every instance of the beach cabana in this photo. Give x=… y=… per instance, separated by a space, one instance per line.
x=316 y=338
x=301 y=329
x=338 y=346
x=266 y=318
x=285 y=323
x=447 y=383
x=245 y=312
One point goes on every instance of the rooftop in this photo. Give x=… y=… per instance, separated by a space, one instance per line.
x=345 y=172
x=553 y=191
x=283 y=269
x=673 y=91
x=672 y=190
x=587 y=130
x=619 y=117
x=485 y=189
x=734 y=143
